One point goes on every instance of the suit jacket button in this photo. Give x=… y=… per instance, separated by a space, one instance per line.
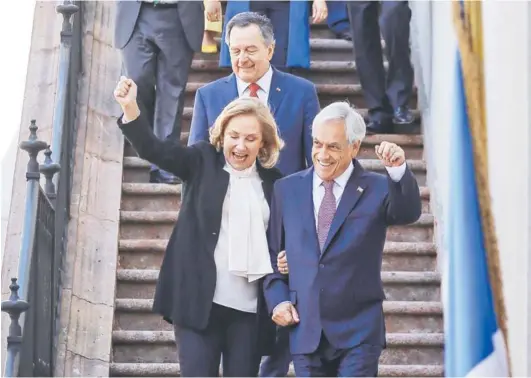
x=213 y=233
x=321 y=265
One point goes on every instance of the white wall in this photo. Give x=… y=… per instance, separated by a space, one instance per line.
x=13 y=78
x=507 y=47
x=507 y=41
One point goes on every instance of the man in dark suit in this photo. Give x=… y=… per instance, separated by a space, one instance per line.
x=157 y=40
x=293 y=100
x=387 y=96
x=331 y=220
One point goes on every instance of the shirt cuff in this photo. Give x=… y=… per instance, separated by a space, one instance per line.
x=281 y=303
x=396 y=173
x=125 y=120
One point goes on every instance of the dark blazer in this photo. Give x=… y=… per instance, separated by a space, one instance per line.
x=187 y=279
x=338 y=291
x=191 y=15
x=293 y=102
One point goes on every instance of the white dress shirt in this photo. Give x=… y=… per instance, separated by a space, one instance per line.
x=231 y=290
x=396 y=174
x=264 y=83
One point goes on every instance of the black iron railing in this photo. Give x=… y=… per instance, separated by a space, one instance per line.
x=35 y=301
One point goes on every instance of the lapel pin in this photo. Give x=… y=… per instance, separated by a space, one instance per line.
x=278 y=89
x=360 y=189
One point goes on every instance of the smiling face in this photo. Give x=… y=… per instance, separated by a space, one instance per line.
x=331 y=151
x=249 y=53
x=242 y=141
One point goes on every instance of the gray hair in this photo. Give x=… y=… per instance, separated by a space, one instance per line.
x=244 y=19
x=354 y=123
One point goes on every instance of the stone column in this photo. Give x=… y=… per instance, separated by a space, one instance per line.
x=91 y=261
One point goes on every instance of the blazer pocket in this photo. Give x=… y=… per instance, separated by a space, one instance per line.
x=293 y=297
x=362 y=214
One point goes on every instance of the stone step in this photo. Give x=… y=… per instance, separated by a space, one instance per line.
x=320 y=71
x=137 y=170
x=159 y=225
x=398 y=286
x=397 y=256
x=174 y=370
x=164 y=197
x=328 y=93
x=323 y=47
x=159 y=347
x=412 y=144
x=400 y=317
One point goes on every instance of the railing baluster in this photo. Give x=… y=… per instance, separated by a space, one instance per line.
x=67 y=9
x=32 y=146
x=49 y=169
x=14 y=306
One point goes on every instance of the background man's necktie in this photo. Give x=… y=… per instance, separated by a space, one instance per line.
x=253 y=90
x=326 y=213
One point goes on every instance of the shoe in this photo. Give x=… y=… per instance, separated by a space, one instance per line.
x=379 y=127
x=403 y=116
x=344 y=35
x=157 y=177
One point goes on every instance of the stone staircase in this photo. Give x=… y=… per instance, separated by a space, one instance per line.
x=143 y=344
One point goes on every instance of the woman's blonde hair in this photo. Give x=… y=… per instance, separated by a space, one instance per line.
x=269 y=153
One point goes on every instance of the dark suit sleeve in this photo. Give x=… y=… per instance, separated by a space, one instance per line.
x=199 y=126
x=276 y=289
x=311 y=108
x=403 y=203
x=169 y=155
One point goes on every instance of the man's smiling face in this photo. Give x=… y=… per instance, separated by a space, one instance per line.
x=331 y=151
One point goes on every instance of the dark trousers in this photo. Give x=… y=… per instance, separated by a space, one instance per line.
x=382 y=94
x=231 y=333
x=337 y=17
x=158 y=58
x=327 y=361
x=278 y=13
x=277 y=364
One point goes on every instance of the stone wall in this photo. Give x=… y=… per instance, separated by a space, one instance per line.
x=88 y=292
x=91 y=260
x=39 y=96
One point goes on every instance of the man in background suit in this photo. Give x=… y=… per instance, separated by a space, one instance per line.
x=331 y=220
x=292 y=100
x=157 y=40
x=337 y=19
x=387 y=96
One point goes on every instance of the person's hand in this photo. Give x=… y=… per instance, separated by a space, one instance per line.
x=319 y=11
x=213 y=10
x=390 y=154
x=282 y=263
x=285 y=314
x=125 y=94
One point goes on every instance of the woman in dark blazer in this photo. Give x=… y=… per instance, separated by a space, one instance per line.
x=210 y=281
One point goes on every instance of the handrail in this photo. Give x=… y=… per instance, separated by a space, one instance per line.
x=34 y=304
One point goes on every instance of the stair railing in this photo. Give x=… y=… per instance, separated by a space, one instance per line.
x=34 y=304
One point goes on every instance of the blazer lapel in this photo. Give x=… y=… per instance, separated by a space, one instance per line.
x=221 y=185
x=307 y=212
x=276 y=91
x=353 y=191
x=267 y=183
x=230 y=91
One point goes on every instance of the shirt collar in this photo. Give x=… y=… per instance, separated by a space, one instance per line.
x=251 y=171
x=340 y=181
x=264 y=82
